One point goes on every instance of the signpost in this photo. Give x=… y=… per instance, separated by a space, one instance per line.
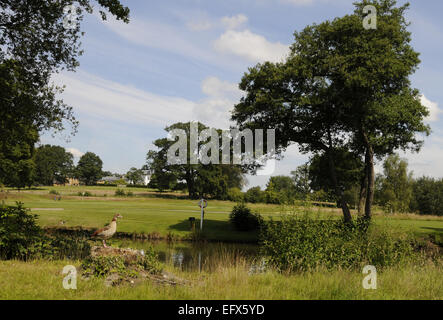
x=202 y=204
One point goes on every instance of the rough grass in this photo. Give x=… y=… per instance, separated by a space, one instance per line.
x=43 y=280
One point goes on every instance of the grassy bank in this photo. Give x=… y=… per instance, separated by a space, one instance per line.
x=43 y=280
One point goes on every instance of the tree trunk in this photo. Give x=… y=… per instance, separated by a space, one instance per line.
x=339 y=193
x=369 y=162
x=363 y=191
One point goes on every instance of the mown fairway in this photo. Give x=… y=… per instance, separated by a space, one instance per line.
x=146 y=213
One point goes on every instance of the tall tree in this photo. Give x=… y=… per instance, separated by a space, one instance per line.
x=201 y=180
x=135 y=176
x=38 y=40
x=89 y=168
x=53 y=164
x=302 y=182
x=395 y=185
x=342 y=87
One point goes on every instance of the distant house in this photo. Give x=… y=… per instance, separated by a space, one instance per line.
x=70 y=182
x=146 y=177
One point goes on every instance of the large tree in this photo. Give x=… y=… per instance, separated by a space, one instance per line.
x=37 y=40
x=212 y=180
x=342 y=87
x=53 y=164
x=89 y=168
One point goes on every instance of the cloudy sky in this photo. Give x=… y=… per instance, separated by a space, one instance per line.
x=181 y=60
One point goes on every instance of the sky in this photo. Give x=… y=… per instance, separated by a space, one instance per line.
x=182 y=60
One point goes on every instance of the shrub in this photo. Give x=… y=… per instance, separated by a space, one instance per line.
x=299 y=243
x=235 y=195
x=53 y=192
x=84 y=194
x=129 y=194
x=124 y=265
x=120 y=193
x=255 y=195
x=21 y=238
x=243 y=219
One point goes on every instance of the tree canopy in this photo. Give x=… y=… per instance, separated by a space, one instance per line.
x=341 y=88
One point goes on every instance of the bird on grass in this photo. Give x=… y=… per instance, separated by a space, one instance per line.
x=108 y=231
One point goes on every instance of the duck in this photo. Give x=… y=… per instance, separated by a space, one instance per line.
x=108 y=231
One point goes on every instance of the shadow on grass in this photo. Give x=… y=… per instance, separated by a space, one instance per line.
x=185 y=225
x=436 y=230
x=216 y=230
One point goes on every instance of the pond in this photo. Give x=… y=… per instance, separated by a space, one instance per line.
x=195 y=256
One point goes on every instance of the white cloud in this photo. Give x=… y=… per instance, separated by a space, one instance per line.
x=75 y=152
x=234 y=22
x=108 y=100
x=199 y=25
x=434 y=111
x=221 y=97
x=162 y=36
x=251 y=46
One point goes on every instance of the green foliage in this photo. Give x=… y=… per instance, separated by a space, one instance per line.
x=101 y=266
x=298 y=243
x=302 y=182
x=280 y=189
x=209 y=180
x=54 y=192
x=89 y=168
x=85 y=194
x=394 y=188
x=123 y=193
x=255 y=195
x=427 y=196
x=235 y=195
x=135 y=176
x=53 y=165
x=21 y=238
x=243 y=219
x=341 y=88
x=34 y=46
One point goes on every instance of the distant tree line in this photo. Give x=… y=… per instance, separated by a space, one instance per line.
x=396 y=191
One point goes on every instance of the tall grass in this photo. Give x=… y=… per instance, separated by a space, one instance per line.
x=43 y=280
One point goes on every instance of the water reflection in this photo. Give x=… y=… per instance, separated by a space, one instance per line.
x=190 y=256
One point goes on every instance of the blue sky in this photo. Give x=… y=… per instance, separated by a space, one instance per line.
x=182 y=60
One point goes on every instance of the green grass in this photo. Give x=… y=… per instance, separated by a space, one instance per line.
x=43 y=280
x=145 y=213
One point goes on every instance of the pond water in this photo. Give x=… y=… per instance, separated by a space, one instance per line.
x=193 y=256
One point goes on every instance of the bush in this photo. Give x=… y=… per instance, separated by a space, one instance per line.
x=302 y=243
x=255 y=195
x=21 y=238
x=84 y=194
x=235 y=195
x=123 y=265
x=53 y=192
x=243 y=219
x=120 y=193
